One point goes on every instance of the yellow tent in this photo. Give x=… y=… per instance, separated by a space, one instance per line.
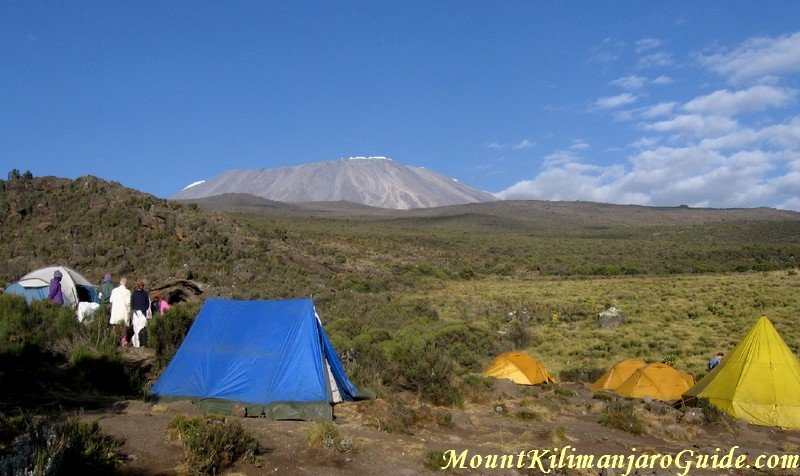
x=758 y=381
x=658 y=381
x=518 y=367
x=617 y=374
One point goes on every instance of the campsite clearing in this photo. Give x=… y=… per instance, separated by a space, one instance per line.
x=545 y=418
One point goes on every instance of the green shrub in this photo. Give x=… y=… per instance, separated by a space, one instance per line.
x=621 y=416
x=165 y=333
x=53 y=447
x=467 y=345
x=476 y=388
x=712 y=414
x=427 y=368
x=82 y=357
x=435 y=460
x=212 y=444
x=581 y=374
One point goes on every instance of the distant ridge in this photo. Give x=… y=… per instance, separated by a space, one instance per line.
x=374 y=181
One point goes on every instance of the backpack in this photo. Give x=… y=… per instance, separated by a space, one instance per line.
x=155 y=307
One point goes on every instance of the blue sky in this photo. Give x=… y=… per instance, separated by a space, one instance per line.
x=653 y=103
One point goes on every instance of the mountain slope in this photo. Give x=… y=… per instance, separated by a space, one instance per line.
x=377 y=182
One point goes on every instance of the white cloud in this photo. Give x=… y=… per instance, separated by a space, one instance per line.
x=757 y=58
x=655 y=60
x=560 y=157
x=784 y=136
x=669 y=176
x=569 y=181
x=727 y=103
x=694 y=125
x=659 y=110
x=791 y=204
x=631 y=82
x=645 y=143
x=648 y=44
x=611 y=102
x=495 y=145
x=606 y=52
x=662 y=80
x=579 y=144
x=525 y=144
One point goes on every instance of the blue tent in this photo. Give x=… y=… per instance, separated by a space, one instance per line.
x=271 y=357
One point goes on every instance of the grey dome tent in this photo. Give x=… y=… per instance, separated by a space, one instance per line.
x=35 y=286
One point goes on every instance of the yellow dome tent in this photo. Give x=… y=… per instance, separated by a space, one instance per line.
x=518 y=367
x=658 y=381
x=758 y=381
x=617 y=374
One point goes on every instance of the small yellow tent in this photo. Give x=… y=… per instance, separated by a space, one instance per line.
x=518 y=367
x=758 y=381
x=658 y=381
x=617 y=374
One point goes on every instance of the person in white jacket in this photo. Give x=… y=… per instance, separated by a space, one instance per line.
x=121 y=310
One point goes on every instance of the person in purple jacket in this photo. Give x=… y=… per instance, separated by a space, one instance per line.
x=55 y=288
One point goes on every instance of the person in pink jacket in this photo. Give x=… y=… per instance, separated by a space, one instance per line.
x=160 y=305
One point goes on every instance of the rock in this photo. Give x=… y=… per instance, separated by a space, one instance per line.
x=117 y=252
x=693 y=416
x=611 y=318
x=676 y=433
x=507 y=388
x=152 y=221
x=461 y=421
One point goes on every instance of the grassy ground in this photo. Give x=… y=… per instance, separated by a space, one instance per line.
x=692 y=315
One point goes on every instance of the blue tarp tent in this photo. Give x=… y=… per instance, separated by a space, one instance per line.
x=271 y=357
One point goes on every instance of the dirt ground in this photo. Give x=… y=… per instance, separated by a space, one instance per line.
x=509 y=420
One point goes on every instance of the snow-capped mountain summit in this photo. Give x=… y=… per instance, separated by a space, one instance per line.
x=375 y=181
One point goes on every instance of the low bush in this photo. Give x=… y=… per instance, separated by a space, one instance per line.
x=621 y=416
x=392 y=415
x=326 y=435
x=213 y=444
x=435 y=460
x=165 y=333
x=42 y=446
x=427 y=368
x=81 y=357
x=712 y=414
x=581 y=374
x=477 y=388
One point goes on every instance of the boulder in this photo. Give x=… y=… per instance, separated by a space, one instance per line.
x=611 y=318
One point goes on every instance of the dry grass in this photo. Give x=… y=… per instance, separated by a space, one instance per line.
x=693 y=316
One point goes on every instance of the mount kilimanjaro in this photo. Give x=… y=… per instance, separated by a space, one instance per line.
x=375 y=181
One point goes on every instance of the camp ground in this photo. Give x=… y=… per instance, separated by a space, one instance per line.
x=270 y=358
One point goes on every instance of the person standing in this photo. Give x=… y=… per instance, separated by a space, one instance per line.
x=140 y=305
x=120 y=300
x=55 y=288
x=715 y=361
x=105 y=290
